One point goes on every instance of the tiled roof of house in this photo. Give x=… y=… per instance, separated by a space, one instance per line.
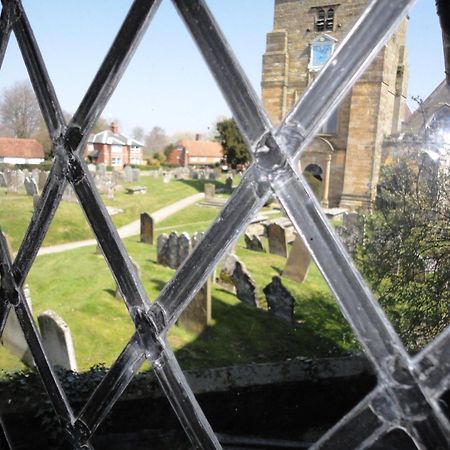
x=202 y=148
x=108 y=137
x=20 y=148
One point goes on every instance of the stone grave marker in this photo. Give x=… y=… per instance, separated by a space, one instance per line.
x=13 y=338
x=135 y=174
x=128 y=172
x=35 y=175
x=195 y=175
x=147 y=228
x=2 y=180
x=210 y=190
x=253 y=242
x=229 y=185
x=196 y=238
x=162 y=249
x=276 y=235
x=13 y=185
x=197 y=315
x=280 y=301
x=184 y=248
x=57 y=340
x=42 y=179
x=212 y=176
x=172 y=251
x=298 y=263
x=31 y=187
x=20 y=178
x=244 y=284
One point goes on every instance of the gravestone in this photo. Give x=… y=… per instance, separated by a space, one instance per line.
x=210 y=190
x=35 y=175
x=184 y=248
x=31 y=187
x=172 y=250
x=212 y=176
x=2 y=180
x=229 y=185
x=13 y=184
x=13 y=338
x=42 y=179
x=20 y=178
x=280 y=301
x=244 y=284
x=197 y=315
x=253 y=242
x=297 y=265
x=226 y=270
x=128 y=172
x=195 y=175
x=36 y=199
x=196 y=238
x=57 y=340
x=276 y=235
x=162 y=249
x=135 y=174
x=147 y=228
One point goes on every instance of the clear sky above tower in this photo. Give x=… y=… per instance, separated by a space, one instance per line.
x=167 y=83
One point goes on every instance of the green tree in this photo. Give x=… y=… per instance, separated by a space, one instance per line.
x=406 y=250
x=234 y=148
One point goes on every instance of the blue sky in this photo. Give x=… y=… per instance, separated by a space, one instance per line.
x=167 y=83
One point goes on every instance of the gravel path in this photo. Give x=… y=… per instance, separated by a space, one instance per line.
x=131 y=229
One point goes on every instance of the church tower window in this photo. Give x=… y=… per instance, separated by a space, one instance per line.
x=324 y=19
x=329 y=23
x=320 y=20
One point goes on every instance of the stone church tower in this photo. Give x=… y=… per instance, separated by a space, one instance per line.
x=347 y=154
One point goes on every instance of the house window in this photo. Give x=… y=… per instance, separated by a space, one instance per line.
x=116 y=161
x=116 y=149
x=193 y=159
x=324 y=20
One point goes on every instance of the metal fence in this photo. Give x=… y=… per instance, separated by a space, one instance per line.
x=409 y=388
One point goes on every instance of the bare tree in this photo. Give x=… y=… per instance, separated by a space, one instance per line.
x=19 y=110
x=156 y=140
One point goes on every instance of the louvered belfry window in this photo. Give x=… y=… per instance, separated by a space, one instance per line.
x=407 y=395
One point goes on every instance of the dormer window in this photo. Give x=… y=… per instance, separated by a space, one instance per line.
x=324 y=19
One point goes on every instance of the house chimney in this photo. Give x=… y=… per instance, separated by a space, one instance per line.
x=198 y=136
x=114 y=127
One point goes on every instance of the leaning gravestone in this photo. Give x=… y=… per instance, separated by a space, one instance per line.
x=31 y=187
x=297 y=265
x=184 y=248
x=57 y=340
x=147 y=228
x=2 y=180
x=197 y=315
x=276 y=235
x=162 y=249
x=13 y=338
x=280 y=301
x=253 y=242
x=245 y=286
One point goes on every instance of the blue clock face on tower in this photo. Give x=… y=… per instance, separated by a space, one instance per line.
x=321 y=51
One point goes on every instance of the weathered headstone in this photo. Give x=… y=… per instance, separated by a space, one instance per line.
x=2 y=180
x=280 y=301
x=13 y=184
x=128 y=172
x=31 y=187
x=162 y=249
x=276 y=235
x=172 y=251
x=147 y=228
x=184 y=248
x=20 y=178
x=245 y=285
x=297 y=265
x=196 y=238
x=42 y=179
x=212 y=176
x=135 y=174
x=194 y=175
x=13 y=338
x=253 y=242
x=35 y=175
x=57 y=340
x=210 y=190
x=197 y=315
x=229 y=185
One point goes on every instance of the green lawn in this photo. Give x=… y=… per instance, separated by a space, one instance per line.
x=69 y=223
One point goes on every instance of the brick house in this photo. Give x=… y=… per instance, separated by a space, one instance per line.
x=195 y=153
x=20 y=151
x=113 y=148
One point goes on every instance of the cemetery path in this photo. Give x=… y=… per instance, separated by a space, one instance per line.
x=131 y=229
